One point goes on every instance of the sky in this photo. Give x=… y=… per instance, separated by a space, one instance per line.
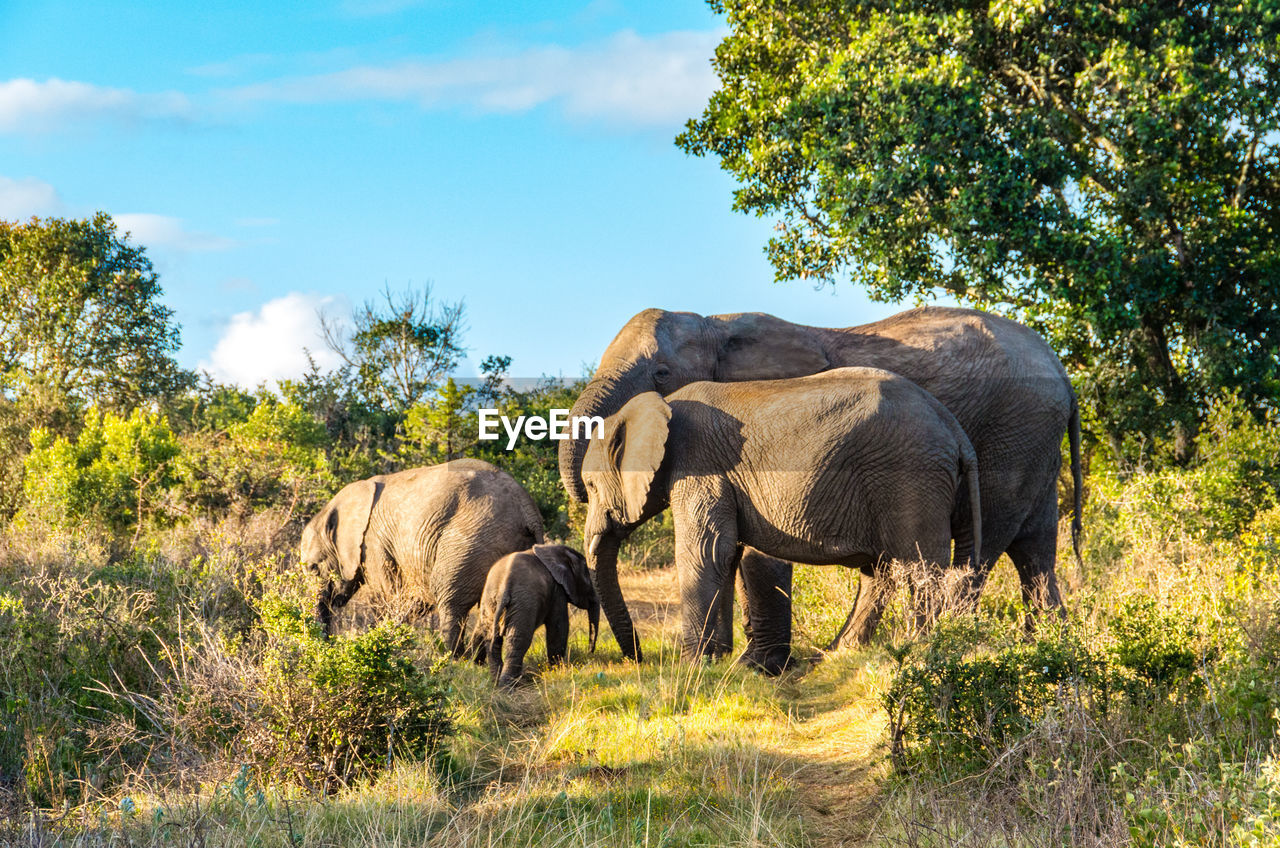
x=279 y=159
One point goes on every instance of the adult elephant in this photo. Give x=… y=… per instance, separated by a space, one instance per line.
x=854 y=466
x=425 y=536
x=999 y=379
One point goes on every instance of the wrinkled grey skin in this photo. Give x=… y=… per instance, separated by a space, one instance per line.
x=525 y=591
x=426 y=536
x=1001 y=381
x=854 y=467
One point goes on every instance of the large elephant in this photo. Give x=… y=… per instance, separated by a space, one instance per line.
x=427 y=536
x=854 y=467
x=1002 y=382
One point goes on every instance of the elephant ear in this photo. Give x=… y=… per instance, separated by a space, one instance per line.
x=636 y=447
x=349 y=522
x=563 y=564
x=756 y=346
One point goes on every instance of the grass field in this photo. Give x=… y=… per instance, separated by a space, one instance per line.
x=606 y=752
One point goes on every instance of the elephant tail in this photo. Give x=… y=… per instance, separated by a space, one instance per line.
x=1077 y=480
x=499 y=616
x=969 y=469
x=532 y=517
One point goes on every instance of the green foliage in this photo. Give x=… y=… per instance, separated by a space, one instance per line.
x=444 y=428
x=274 y=457
x=115 y=472
x=80 y=314
x=1158 y=644
x=959 y=704
x=1108 y=173
x=1234 y=478
x=340 y=710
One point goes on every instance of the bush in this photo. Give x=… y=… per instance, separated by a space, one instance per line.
x=67 y=637
x=275 y=457
x=333 y=711
x=1235 y=476
x=959 y=704
x=114 y=473
x=1159 y=645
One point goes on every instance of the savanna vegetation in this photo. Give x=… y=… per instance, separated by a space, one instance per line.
x=161 y=682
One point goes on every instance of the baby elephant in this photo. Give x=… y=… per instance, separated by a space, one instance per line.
x=526 y=590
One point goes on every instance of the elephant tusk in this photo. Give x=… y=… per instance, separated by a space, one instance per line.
x=592 y=544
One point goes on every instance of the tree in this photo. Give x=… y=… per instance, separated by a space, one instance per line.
x=1106 y=172
x=399 y=350
x=80 y=315
x=446 y=426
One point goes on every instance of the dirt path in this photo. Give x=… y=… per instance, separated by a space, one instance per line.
x=836 y=738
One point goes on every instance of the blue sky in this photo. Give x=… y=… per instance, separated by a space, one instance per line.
x=278 y=158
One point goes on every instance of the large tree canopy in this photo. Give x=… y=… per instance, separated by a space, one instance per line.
x=80 y=314
x=1105 y=171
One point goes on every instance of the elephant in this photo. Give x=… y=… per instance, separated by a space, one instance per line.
x=1000 y=380
x=425 y=535
x=524 y=591
x=853 y=466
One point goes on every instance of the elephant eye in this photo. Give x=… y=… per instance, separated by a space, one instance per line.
x=661 y=374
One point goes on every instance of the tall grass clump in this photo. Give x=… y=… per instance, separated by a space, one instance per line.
x=1148 y=716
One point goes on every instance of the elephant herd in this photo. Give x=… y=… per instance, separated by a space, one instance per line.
x=932 y=436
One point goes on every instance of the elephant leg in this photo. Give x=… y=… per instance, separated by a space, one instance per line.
x=557 y=634
x=1033 y=557
x=453 y=631
x=1034 y=554
x=604 y=576
x=766 y=601
x=517 y=636
x=723 y=645
x=494 y=651
x=875 y=588
x=706 y=547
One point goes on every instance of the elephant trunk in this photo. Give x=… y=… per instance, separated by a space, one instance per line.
x=602 y=558
x=593 y=624
x=603 y=396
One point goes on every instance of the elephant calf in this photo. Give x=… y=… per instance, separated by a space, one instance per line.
x=525 y=591
x=853 y=466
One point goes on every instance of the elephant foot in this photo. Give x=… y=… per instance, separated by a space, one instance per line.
x=770 y=663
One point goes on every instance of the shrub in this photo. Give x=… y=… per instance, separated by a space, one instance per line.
x=274 y=458
x=1235 y=476
x=1158 y=644
x=67 y=637
x=959 y=704
x=114 y=473
x=332 y=711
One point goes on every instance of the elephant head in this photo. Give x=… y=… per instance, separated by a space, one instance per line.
x=333 y=545
x=619 y=471
x=660 y=351
x=569 y=569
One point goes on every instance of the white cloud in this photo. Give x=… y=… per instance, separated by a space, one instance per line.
x=629 y=78
x=28 y=106
x=270 y=344
x=162 y=231
x=20 y=199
